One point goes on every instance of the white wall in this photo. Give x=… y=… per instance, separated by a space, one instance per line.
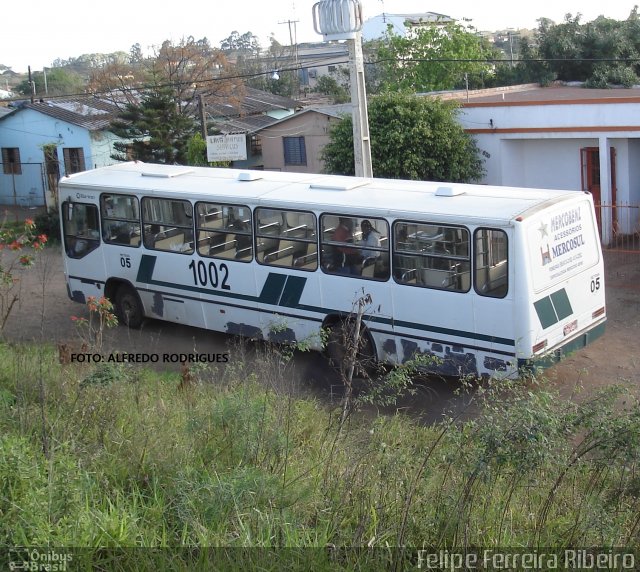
x=543 y=163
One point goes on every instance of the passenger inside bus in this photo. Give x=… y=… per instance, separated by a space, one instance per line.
x=370 y=238
x=345 y=259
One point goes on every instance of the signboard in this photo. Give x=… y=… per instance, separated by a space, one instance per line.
x=226 y=147
x=563 y=242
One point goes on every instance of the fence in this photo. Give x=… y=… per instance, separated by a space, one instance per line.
x=623 y=224
x=25 y=188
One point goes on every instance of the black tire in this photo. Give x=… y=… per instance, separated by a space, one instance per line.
x=128 y=307
x=340 y=338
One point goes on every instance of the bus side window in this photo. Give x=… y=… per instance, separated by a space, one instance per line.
x=81 y=228
x=355 y=246
x=224 y=231
x=491 y=263
x=286 y=238
x=168 y=224
x=432 y=256
x=120 y=219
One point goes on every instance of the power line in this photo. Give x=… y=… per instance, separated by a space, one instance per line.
x=316 y=64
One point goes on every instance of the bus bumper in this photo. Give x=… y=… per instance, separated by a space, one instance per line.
x=559 y=353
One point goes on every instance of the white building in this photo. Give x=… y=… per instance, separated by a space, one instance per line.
x=562 y=137
x=376 y=27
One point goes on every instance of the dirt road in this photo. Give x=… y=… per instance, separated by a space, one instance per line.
x=44 y=313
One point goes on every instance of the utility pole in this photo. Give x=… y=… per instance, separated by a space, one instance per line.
x=203 y=117
x=32 y=84
x=293 y=42
x=342 y=20
x=361 y=139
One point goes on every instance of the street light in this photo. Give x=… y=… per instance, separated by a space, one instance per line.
x=342 y=20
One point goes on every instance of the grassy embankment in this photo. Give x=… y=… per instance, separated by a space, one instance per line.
x=119 y=457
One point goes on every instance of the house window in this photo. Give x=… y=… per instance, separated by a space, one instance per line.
x=73 y=160
x=11 y=161
x=256 y=145
x=295 y=152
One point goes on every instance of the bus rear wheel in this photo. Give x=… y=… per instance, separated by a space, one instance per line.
x=128 y=307
x=339 y=342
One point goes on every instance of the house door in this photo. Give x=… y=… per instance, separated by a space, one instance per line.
x=590 y=169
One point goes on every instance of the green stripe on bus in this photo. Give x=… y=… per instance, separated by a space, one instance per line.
x=553 y=308
x=272 y=289
x=286 y=291
x=546 y=313
x=145 y=272
x=561 y=304
x=293 y=291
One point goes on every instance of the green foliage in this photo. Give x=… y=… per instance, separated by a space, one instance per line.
x=230 y=462
x=158 y=131
x=49 y=223
x=434 y=57
x=601 y=52
x=197 y=151
x=411 y=138
x=59 y=81
x=328 y=85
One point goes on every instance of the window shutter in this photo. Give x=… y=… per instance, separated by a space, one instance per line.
x=73 y=160
x=11 y=164
x=295 y=152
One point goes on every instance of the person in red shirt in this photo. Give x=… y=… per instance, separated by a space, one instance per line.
x=344 y=257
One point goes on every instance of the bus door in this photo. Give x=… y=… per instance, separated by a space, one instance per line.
x=432 y=305
x=287 y=287
x=493 y=308
x=223 y=269
x=84 y=266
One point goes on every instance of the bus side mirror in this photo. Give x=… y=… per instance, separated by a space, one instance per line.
x=67 y=210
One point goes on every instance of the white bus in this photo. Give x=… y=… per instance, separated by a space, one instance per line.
x=484 y=279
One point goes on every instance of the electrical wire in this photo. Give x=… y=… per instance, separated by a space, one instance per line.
x=320 y=63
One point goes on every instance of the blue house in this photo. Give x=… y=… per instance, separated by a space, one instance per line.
x=45 y=140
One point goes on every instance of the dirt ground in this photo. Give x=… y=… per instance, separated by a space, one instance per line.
x=44 y=313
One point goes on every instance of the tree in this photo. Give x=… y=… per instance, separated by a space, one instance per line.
x=328 y=85
x=191 y=68
x=59 y=81
x=158 y=131
x=434 y=57
x=412 y=137
x=600 y=52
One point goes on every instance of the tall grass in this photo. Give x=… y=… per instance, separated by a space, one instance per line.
x=112 y=456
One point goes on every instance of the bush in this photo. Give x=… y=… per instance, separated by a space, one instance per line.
x=49 y=223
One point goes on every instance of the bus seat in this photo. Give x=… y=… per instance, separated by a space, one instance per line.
x=283 y=256
x=368 y=266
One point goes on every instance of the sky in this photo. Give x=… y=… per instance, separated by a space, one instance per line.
x=39 y=32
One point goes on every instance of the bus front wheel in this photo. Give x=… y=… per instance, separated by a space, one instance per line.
x=128 y=307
